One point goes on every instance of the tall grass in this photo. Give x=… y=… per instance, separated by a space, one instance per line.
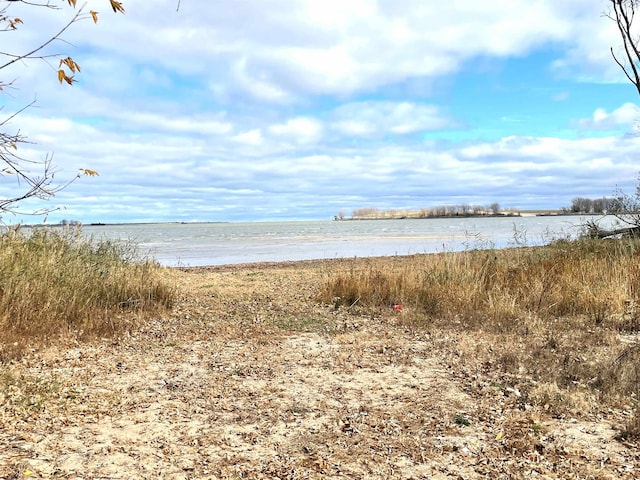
x=493 y=288
x=556 y=313
x=55 y=283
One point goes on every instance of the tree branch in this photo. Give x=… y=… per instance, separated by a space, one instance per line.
x=30 y=54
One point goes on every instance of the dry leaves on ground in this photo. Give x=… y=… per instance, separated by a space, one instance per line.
x=250 y=378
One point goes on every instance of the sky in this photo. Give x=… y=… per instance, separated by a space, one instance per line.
x=300 y=109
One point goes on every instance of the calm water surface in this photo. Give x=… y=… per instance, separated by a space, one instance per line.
x=229 y=243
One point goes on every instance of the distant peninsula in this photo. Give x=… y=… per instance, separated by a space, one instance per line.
x=451 y=211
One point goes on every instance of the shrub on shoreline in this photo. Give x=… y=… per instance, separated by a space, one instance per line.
x=57 y=283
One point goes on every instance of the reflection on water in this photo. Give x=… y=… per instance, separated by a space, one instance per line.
x=174 y=244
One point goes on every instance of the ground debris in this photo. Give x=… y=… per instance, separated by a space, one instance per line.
x=249 y=378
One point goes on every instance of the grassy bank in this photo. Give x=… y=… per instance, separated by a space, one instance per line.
x=559 y=323
x=55 y=283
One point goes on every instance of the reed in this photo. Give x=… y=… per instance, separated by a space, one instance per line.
x=563 y=316
x=56 y=283
x=497 y=289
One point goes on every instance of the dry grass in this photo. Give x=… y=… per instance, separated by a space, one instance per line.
x=492 y=289
x=550 y=318
x=249 y=376
x=54 y=283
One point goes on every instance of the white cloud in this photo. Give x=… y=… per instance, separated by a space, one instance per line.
x=228 y=113
x=251 y=137
x=300 y=47
x=381 y=118
x=259 y=84
x=300 y=129
x=217 y=174
x=625 y=116
x=184 y=124
x=591 y=37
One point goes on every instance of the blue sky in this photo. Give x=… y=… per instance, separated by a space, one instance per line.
x=231 y=111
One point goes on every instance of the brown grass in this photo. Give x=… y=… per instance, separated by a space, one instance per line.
x=54 y=283
x=551 y=317
x=250 y=376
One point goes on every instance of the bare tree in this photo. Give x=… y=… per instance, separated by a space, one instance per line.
x=623 y=13
x=365 y=212
x=625 y=207
x=35 y=177
x=581 y=205
x=599 y=205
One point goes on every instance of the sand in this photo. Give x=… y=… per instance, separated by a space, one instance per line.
x=249 y=377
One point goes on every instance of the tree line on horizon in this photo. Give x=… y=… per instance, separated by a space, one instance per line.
x=591 y=205
x=460 y=210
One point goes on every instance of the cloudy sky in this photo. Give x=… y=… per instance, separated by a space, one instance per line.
x=235 y=110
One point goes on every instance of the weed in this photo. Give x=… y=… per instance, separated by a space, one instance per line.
x=300 y=323
x=24 y=393
x=460 y=419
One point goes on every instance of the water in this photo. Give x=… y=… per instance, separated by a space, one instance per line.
x=176 y=244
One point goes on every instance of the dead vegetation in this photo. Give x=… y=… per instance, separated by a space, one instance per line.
x=561 y=321
x=310 y=370
x=56 y=284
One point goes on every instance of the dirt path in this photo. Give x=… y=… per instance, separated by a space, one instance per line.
x=250 y=379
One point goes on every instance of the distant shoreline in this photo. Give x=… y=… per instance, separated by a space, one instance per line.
x=116 y=224
x=470 y=215
x=523 y=213
x=429 y=217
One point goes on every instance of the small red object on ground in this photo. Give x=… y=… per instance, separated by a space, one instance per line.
x=397 y=307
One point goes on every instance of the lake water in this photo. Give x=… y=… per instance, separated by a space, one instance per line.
x=197 y=244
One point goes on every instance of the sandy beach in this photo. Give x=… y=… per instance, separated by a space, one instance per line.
x=250 y=377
